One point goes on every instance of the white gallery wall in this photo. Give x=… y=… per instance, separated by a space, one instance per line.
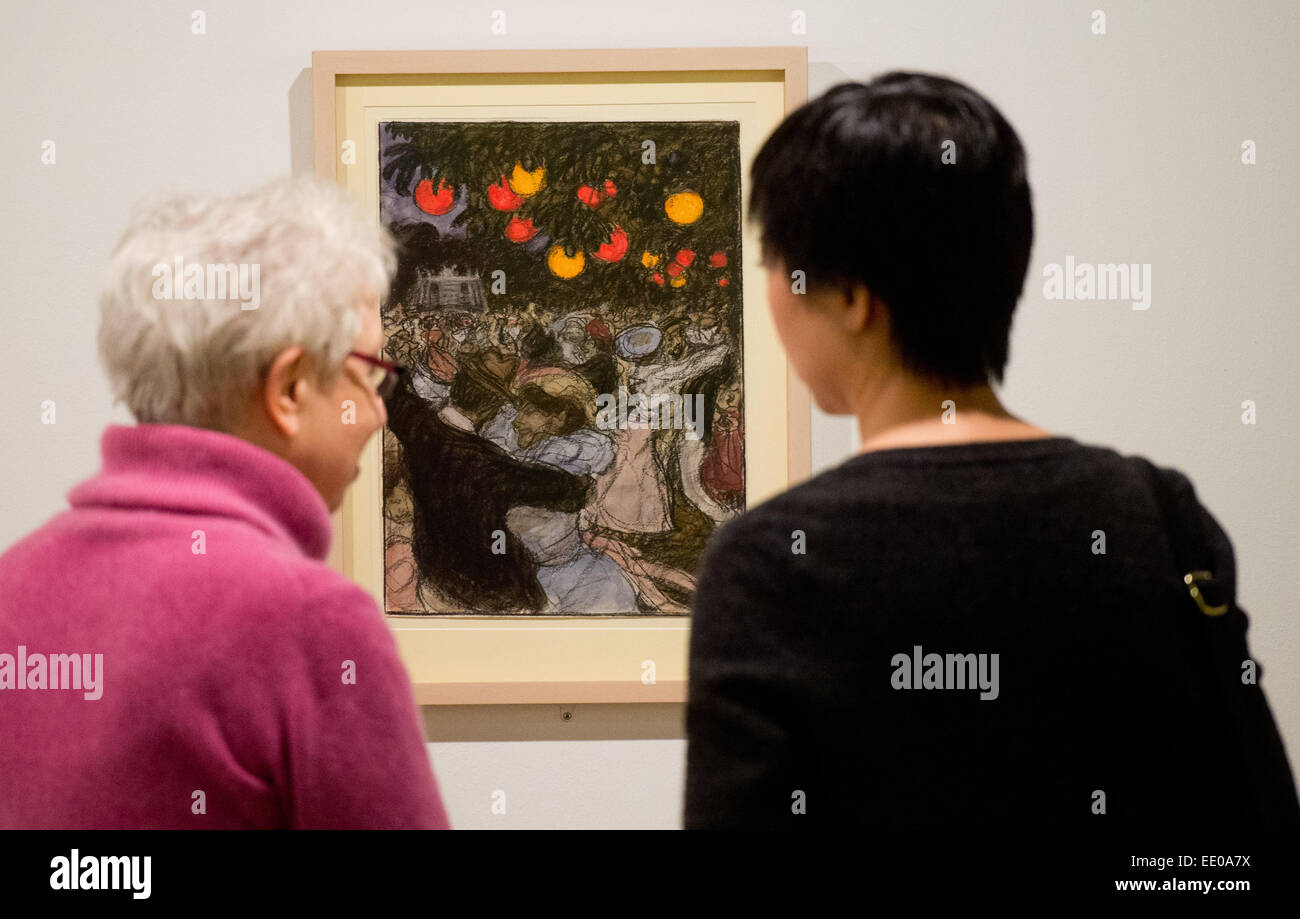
x=1135 y=155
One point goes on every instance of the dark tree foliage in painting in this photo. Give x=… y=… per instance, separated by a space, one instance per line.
x=573 y=155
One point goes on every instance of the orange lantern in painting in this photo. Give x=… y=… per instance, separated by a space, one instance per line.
x=525 y=183
x=684 y=207
x=563 y=265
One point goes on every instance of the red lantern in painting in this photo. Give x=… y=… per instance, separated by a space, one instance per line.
x=615 y=249
x=431 y=202
x=595 y=197
x=520 y=231
x=502 y=198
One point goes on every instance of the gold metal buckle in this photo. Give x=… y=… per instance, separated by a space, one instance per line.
x=1190 y=579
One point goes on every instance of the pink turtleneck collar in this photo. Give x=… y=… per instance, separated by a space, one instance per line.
x=169 y=467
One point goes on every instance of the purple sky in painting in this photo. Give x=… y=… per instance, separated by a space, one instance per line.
x=397 y=206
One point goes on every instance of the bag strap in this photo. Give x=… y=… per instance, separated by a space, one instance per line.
x=1240 y=751
x=1187 y=539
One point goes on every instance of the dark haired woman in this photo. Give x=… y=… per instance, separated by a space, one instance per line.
x=972 y=623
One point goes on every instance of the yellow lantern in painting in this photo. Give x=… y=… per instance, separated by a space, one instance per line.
x=564 y=266
x=525 y=183
x=684 y=207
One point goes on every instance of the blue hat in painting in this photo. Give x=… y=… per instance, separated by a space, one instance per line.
x=638 y=341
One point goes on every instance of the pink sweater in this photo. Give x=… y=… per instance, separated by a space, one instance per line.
x=242 y=683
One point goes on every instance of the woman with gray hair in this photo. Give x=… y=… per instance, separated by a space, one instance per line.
x=202 y=666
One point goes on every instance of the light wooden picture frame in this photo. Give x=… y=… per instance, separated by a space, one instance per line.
x=506 y=660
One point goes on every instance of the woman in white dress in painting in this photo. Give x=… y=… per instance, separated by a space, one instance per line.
x=551 y=424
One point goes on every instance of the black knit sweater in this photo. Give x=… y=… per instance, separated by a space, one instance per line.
x=830 y=681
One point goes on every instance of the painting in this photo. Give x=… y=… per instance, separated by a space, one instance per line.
x=574 y=259
x=571 y=426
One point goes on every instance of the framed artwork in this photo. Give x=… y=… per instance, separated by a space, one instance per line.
x=594 y=382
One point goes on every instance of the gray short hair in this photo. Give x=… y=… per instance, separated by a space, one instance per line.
x=194 y=360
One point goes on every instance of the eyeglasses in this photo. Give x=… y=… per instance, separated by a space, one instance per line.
x=384 y=375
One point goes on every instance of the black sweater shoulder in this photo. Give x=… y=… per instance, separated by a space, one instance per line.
x=1050 y=554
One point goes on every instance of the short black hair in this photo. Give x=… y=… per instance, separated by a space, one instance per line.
x=852 y=187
